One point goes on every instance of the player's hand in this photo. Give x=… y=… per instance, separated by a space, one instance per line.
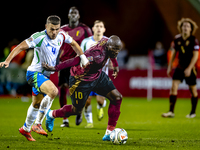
x=47 y=67
x=169 y=70
x=6 y=64
x=115 y=72
x=187 y=72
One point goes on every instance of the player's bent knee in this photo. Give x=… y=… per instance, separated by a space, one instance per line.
x=53 y=92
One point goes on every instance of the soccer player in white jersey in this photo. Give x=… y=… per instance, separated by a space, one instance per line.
x=46 y=46
x=98 y=32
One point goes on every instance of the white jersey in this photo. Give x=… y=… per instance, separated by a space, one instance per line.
x=87 y=43
x=46 y=50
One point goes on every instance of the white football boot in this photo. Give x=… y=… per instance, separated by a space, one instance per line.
x=168 y=115
x=190 y=115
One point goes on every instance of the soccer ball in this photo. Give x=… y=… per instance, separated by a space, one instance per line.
x=118 y=136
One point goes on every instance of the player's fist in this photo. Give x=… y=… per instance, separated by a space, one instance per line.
x=115 y=72
x=47 y=67
x=6 y=64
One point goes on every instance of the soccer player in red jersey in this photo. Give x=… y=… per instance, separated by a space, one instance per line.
x=187 y=46
x=84 y=80
x=78 y=31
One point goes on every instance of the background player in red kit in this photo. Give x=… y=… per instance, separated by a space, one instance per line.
x=78 y=31
x=187 y=46
x=84 y=80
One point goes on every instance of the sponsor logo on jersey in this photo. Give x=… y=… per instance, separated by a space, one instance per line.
x=187 y=43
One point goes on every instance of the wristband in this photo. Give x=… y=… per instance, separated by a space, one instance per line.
x=84 y=59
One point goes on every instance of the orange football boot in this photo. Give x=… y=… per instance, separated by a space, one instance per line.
x=26 y=134
x=38 y=129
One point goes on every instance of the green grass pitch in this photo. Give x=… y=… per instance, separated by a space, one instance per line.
x=141 y=119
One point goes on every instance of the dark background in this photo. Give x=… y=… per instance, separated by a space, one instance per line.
x=139 y=23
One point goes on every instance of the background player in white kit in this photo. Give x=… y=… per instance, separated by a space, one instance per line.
x=98 y=32
x=46 y=46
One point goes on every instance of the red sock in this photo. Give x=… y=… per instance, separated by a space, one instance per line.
x=65 y=111
x=63 y=97
x=113 y=114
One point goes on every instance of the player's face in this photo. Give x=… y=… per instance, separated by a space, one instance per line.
x=73 y=15
x=99 y=29
x=52 y=30
x=186 y=28
x=113 y=50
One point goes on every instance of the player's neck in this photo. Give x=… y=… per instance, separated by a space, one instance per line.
x=97 y=38
x=73 y=24
x=185 y=36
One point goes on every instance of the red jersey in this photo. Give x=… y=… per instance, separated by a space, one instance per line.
x=78 y=34
x=185 y=49
x=98 y=56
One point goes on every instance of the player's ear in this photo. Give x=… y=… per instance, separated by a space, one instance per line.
x=93 y=29
x=45 y=26
x=104 y=30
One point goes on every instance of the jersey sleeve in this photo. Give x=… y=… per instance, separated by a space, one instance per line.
x=34 y=40
x=196 y=45
x=83 y=45
x=88 y=32
x=67 y=38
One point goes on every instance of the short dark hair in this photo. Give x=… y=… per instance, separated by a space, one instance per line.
x=98 y=21
x=53 y=19
x=73 y=7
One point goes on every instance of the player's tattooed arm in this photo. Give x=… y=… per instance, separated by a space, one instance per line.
x=22 y=46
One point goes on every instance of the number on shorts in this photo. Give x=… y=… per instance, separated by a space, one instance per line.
x=78 y=95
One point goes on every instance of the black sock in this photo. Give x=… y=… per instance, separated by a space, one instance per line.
x=172 y=100
x=194 y=101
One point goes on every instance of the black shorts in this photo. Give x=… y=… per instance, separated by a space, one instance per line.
x=64 y=76
x=80 y=90
x=179 y=75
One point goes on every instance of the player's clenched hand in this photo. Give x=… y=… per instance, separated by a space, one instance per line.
x=47 y=67
x=115 y=72
x=6 y=64
x=187 y=72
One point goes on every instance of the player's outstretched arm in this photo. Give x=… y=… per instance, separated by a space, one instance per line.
x=78 y=50
x=115 y=67
x=22 y=46
x=65 y=64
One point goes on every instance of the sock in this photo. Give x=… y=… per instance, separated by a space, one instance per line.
x=63 y=98
x=194 y=101
x=104 y=105
x=172 y=100
x=65 y=120
x=46 y=111
x=113 y=113
x=108 y=131
x=30 y=118
x=44 y=105
x=65 y=111
x=88 y=114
